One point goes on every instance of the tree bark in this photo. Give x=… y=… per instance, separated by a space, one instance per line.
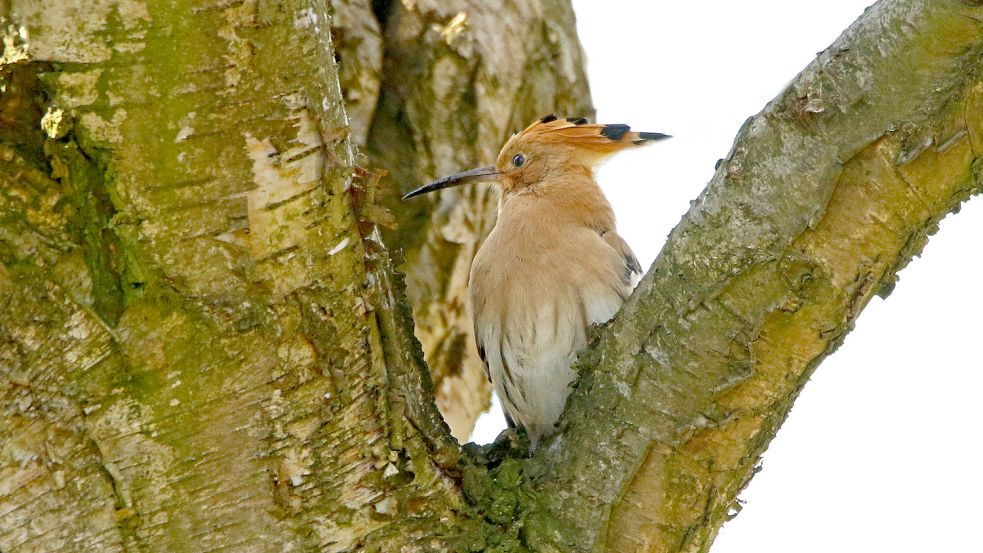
x=204 y=345
x=192 y=354
x=825 y=196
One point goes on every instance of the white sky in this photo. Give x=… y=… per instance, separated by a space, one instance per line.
x=882 y=451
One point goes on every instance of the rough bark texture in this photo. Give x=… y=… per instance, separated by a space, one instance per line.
x=190 y=354
x=203 y=344
x=826 y=194
x=437 y=87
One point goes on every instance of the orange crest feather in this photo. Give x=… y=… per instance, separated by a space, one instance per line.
x=578 y=133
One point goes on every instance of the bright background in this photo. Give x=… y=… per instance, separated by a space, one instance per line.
x=882 y=452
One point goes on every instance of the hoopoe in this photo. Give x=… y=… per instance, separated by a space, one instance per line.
x=552 y=266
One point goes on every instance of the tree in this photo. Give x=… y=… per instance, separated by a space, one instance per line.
x=204 y=344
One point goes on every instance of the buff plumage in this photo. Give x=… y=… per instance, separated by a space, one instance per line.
x=552 y=266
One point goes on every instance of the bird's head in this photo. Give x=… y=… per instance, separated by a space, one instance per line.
x=550 y=147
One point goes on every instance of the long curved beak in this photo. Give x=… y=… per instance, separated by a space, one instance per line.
x=464 y=177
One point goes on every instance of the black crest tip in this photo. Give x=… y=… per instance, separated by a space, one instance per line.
x=548 y=118
x=577 y=120
x=615 y=132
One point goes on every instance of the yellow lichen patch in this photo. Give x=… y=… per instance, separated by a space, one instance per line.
x=972 y=118
x=6 y=285
x=39 y=199
x=922 y=175
x=702 y=470
x=647 y=488
x=879 y=205
x=722 y=446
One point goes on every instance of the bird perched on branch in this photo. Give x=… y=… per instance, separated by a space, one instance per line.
x=552 y=266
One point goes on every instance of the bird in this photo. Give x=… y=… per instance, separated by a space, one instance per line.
x=552 y=265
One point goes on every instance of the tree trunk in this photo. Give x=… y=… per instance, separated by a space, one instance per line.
x=203 y=343
x=193 y=359
x=825 y=196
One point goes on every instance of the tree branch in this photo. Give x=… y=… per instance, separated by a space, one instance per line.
x=826 y=194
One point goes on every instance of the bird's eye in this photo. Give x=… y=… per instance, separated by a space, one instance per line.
x=519 y=160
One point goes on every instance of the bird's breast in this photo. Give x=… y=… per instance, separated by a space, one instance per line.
x=533 y=298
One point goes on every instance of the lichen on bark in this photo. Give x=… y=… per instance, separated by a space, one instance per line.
x=194 y=360
x=826 y=194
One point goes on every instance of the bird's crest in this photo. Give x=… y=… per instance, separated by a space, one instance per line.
x=543 y=149
x=577 y=132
